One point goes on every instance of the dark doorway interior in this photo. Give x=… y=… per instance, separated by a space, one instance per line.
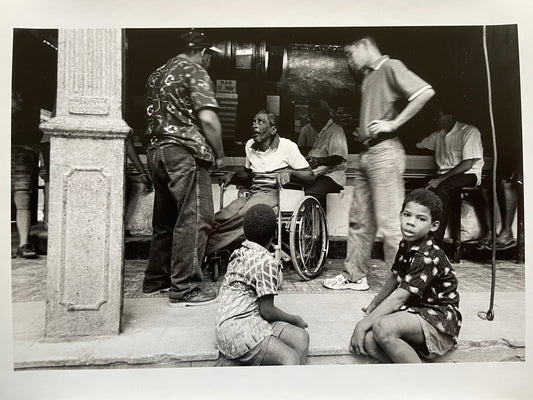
x=300 y=64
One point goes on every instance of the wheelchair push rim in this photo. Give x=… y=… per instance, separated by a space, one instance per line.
x=308 y=238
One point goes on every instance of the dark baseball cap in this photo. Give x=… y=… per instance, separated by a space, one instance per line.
x=195 y=39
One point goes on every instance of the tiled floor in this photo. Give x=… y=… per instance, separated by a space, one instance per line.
x=29 y=278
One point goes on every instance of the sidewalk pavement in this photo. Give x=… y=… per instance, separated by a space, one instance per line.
x=155 y=335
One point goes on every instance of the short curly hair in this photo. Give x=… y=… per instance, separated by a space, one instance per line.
x=272 y=118
x=260 y=224
x=425 y=198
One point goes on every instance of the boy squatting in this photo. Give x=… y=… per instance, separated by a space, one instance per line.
x=416 y=313
x=250 y=329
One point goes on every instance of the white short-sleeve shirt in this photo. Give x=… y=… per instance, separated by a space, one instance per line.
x=285 y=154
x=463 y=142
x=282 y=154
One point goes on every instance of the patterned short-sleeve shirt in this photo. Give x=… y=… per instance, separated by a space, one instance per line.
x=425 y=272
x=175 y=92
x=252 y=273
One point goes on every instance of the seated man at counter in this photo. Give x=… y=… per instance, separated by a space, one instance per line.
x=459 y=157
x=270 y=159
x=328 y=154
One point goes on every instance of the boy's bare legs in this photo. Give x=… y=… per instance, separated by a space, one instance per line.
x=298 y=339
x=396 y=334
x=374 y=350
x=289 y=349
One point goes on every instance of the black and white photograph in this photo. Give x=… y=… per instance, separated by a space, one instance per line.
x=247 y=200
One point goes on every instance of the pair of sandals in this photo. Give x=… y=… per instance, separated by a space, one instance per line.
x=486 y=244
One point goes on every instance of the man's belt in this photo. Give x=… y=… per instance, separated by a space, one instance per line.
x=371 y=142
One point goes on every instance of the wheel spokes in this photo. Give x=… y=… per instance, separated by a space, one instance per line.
x=311 y=237
x=308 y=238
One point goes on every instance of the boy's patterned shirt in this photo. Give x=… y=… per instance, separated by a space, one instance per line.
x=253 y=272
x=426 y=273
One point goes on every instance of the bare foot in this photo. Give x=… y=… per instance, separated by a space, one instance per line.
x=487 y=238
x=504 y=238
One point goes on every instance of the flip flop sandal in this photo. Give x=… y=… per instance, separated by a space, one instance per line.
x=483 y=244
x=504 y=246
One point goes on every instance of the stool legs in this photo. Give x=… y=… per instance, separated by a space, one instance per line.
x=520 y=224
x=455 y=219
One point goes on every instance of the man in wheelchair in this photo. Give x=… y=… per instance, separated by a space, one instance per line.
x=270 y=161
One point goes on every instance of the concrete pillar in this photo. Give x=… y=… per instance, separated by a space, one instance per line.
x=87 y=160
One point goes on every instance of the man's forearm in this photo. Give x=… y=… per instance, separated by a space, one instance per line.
x=413 y=107
x=214 y=138
x=212 y=131
x=330 y=161
x=302 y=177
x=133 y=156
x=460 y=168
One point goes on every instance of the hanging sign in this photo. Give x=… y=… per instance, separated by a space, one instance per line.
x=226 y=86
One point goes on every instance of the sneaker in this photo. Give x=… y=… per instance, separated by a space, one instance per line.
x=26 y=251
x=153 y=290
x=195 y=297
x=340 y=282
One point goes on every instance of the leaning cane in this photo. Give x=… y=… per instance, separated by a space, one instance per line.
x=277 y=248
x=489 y=314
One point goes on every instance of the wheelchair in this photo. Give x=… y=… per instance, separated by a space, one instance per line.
x=302 y=235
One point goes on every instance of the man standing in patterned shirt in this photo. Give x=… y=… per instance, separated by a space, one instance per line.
x=185 y=139
x=416 y=313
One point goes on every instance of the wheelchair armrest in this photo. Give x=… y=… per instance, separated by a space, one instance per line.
x=218 y=173
x=293 y=186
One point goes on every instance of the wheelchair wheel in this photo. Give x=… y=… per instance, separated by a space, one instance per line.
x=308 y=238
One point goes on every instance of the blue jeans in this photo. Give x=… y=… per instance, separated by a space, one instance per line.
x=377 y=201
x=182 y=217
